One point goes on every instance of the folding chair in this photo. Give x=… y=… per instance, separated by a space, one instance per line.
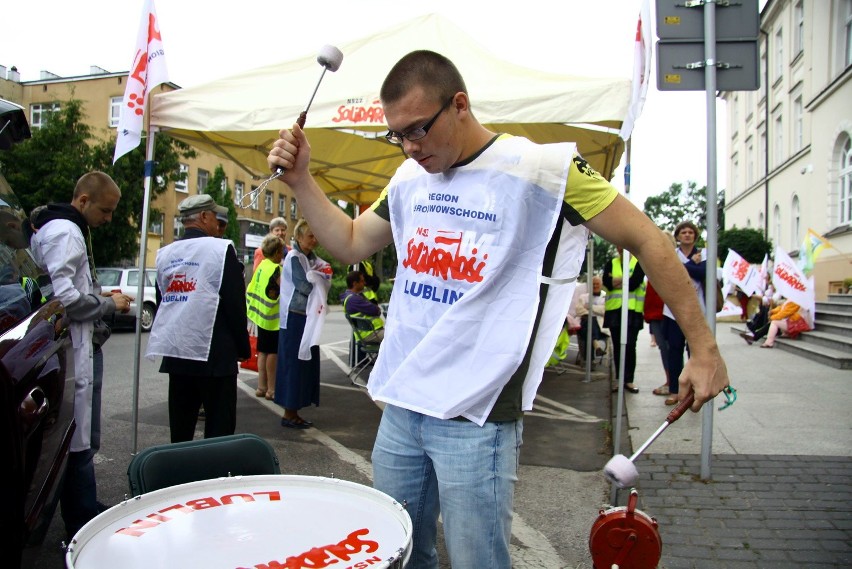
x=167 y=465
x=365 y=352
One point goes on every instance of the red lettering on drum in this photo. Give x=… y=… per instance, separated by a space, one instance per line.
x=320 y=557
x=366 y=563
x=229 y=499
x=139 y=528
x=204 y=503
x=273 y=495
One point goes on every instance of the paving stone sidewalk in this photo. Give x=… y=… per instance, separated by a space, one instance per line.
x=759 y=511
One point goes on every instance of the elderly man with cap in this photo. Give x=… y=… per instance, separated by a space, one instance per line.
x=200 y=328
x=221 y=220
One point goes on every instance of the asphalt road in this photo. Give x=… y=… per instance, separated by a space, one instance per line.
x=561 y=487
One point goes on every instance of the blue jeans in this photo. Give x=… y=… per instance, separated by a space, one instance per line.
x=456 y=469
x=79 y=497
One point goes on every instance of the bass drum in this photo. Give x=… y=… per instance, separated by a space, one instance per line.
x=250 y=521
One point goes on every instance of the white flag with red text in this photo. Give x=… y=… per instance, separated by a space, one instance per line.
x=641 y=69
x=790 y=282
x=148 y=71
x=740 y=272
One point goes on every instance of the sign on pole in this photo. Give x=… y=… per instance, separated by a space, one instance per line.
x=681 y=55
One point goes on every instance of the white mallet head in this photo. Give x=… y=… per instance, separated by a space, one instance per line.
x=330 y=57
x=621 y=471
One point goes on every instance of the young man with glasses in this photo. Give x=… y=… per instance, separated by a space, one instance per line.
x=481 y=222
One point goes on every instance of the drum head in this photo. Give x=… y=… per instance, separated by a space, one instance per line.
x=249 y=521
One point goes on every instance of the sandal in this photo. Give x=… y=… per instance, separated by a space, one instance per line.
x=270 y=396
x=767 y=345
x=294 y=423
x=671 y=401
x=260 y=392
x=662 y=390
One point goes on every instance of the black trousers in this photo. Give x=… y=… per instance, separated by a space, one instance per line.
x=630 y=356
x=187 y=393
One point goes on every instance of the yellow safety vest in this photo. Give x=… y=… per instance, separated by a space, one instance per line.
x=636 y=298
x=369 y=293
x=377 y=321
x=261 y=309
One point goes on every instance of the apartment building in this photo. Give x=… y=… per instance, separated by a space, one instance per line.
x=790 y=143
x=101 y=93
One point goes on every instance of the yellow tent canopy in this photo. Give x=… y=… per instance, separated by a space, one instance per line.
x=238 y=117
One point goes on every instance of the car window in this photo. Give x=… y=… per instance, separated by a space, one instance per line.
x=19 y=291
x=150 y=278
x=133 y=278
x=109 y=277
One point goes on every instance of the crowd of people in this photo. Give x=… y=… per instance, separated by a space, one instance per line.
x=435 y=419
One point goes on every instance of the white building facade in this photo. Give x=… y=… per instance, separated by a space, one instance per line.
x=790 y=142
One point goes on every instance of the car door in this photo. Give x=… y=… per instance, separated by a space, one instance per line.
x=36 y=397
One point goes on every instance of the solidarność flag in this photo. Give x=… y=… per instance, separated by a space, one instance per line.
x=641 y=70
x=148 y=71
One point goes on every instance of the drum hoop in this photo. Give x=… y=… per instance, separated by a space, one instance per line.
x=120 y=510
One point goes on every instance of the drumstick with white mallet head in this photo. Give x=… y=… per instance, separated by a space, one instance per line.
x=622 y=470
x=329 y=58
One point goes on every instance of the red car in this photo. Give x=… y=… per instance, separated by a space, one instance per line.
x=36 y=397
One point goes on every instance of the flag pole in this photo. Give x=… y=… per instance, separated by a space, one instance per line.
x=143 y=255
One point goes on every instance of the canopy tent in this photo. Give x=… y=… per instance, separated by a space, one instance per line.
x=238 y=117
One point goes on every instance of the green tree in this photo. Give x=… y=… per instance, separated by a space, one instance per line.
x=603 y=253
x=219 y=190
x=677 y=204
x=749 y=243
x=45 y=169
x=119 y=241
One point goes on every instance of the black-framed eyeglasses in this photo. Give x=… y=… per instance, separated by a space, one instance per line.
x=395 y=137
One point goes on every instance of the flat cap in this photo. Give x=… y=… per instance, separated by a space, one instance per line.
x=221 y=213
x=197 y=204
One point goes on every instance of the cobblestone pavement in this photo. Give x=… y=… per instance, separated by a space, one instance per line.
x=759 y=511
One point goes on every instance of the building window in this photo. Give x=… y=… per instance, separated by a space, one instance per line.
x=267 y=202
x=760 y=220
x=735 y=114
x=749 y=162
x=239 y=192
x=795 y=216
x=798 y=127
x=181 y=185
x=735 y=174
x=846 y=182
x=39 y=114
x=282 y=205
x=799 y=22
x=201 y=180
x=254 y=203
x=846 y=19
x=155 y=222
x=115 y=110
x=177 y=228
x=779 y=54
x=779 y=139
x=761 y=151
x=293 y=208
x=776 y=225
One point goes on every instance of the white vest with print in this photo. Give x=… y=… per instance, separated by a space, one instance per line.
x=189 y=274
x=471 y=245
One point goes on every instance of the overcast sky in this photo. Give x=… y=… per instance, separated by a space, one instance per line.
x=206 y=40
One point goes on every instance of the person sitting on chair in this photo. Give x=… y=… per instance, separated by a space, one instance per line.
x=581 y=308
x=355 y=304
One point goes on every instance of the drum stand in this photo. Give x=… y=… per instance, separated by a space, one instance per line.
x=625 y=538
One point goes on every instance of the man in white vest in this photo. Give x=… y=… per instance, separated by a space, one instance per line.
x=63 y=246
x=477 y=218
x=200 y=329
